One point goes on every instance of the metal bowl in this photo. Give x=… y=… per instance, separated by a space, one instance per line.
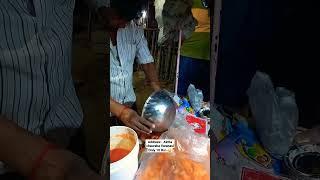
x=160 y=109
x=303 y=162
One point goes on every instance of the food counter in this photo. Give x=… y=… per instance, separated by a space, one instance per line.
x=189 y=157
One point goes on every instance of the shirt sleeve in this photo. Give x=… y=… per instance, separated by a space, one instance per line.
x=143 y=53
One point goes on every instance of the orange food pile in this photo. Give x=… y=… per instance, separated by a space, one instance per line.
x=117 y=154
x=164 y=166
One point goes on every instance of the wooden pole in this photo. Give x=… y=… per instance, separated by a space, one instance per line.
x=215 y=32
x=178 y=62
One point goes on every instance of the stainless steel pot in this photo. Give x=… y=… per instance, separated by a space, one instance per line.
x=303 y=162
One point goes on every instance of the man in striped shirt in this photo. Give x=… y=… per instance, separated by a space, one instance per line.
x=127 y=43
x=36 y=86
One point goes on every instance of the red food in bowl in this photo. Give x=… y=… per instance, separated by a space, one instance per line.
x=118 y=154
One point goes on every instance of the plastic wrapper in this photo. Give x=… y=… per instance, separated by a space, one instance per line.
x=189 y=161
x=242 y=149
x=180 y=121
x=276 y=114
x=221 y=125
x=196 y=97
x=205 y=111
x=184 y=106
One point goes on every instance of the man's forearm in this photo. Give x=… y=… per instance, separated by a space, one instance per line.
x=18 y=148
x=152 y=75
x=116 y=108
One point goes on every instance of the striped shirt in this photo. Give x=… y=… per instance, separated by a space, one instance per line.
x=131 y=44
x=36 y=86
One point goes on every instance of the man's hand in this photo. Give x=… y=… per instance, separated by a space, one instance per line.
x=61 y=164
x=131 y=119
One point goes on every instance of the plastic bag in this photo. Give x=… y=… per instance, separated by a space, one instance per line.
x=196 y=97
x=180 y=121
x=172 y=16
x=221 y=124
x=276 y=114
x=189 y=161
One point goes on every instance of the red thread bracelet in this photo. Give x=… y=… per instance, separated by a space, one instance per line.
x=122 y=110
x=38 y=161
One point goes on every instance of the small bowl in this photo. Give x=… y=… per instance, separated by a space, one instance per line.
x=160 y=109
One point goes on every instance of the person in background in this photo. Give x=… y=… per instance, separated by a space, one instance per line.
x=127 y=42
x=194 y=65
x=36 y=86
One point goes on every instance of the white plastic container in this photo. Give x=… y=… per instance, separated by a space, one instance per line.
x=126 y=138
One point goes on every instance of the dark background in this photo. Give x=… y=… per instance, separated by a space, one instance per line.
x=279 y=37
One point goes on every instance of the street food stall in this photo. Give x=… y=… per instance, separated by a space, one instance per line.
x=181 y=147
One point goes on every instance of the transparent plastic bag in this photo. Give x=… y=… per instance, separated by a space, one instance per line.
x=221 y=125
x=189 y=161
x=276 y=114
x=180 y=121
x=195 y=97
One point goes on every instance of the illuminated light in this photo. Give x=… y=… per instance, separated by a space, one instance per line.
x=161 y=108
x=144 y=14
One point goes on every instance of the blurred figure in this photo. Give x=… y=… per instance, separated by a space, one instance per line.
x=194 y=65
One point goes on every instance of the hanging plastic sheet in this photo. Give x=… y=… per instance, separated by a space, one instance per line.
x=172 y=16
